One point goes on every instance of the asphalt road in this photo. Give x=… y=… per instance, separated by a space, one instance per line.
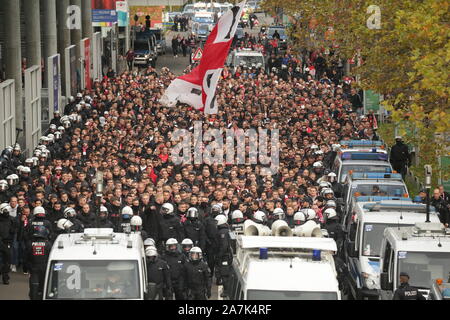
x=17 y=288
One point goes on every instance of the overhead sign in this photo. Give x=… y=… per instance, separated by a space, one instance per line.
x=99 y=15
x=197 y=54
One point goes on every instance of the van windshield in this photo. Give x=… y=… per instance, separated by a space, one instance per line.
x=381 y=190
x=373 y=236
x=423 y=267
x=249 y=60
x=93 y=279
x=290 y=295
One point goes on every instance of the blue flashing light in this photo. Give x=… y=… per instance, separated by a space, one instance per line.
x=263 y=253
x=376 y=175
x=316 y=255
x=360 y=143
x=379 y=198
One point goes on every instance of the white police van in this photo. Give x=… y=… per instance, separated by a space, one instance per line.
x=373 y=184
x=284 y=268
x=360 y=156
x=245 y=58
x=96 y=264
x=365 y=229
x=422 y=251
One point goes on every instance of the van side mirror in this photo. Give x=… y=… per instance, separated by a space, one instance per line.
x=384 y=282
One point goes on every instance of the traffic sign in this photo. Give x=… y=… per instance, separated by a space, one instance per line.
x=198 y=54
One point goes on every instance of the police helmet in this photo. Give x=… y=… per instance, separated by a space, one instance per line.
x=4 y=208
x=170 y=243
x=310 y=214
x=53 y=126
x=221 y=219
x=329 y=213
x=279 y=213
x=41 y=232
x=237 y=216
x=17 y=147
x=299 y=218
x=151 y=252
x=136 y=221
x=103 y=209
x=35 y=161
x=69 y=212
x=187 y=244
x=12 y=179
x=195 y=254
x=29 y=162
x=127 y=212
x=332 y=174
x=216 y=209
x=317 y=164
x=192 y=213
x=51 y=138
x=149 y=242
x=260 y=216
x=71 y=99
x=64 y=224
x=79 y=95
x=61 y=129
x=58 y=135
x=314 y=146
x=43 y=139
x=167 y=208
x=19 y=168
x=324 y=184
x=37 y=153
x=39 y=212
x=326 y=191
x=3 y=185
x=331 y=204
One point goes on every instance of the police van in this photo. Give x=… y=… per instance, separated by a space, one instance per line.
x=96 y=264
x=422 y=251
x=373 y=184
x=284 y=268
x=360 y=156
x=364 y=229
x=245 y=58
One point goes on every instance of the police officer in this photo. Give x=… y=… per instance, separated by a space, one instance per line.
x=103 y=221
x=125 y=221
x=176 y=261
x=158 y=276
x=71 y=215
x=333 y=227
x=278 y=214
x=237 y=221
x=4 y=194
x=197 y=275
x=399 y=156
x=39 y=219
x=224 y=256
x=405 y=291
x=194 y=228
x=63 y=226
x=38 y=251
x=7 y=230
x=186 y=246
x=211 y=236
x=170 y=225
x=136 y=227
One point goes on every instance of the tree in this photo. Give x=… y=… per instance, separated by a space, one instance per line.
x=406 y=59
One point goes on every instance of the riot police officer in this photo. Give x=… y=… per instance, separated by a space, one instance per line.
x=224 y=256
x=39 y=219
x=186 y=246
x=197 y=275
x=71 y=215
x=7 y=230
x=158 y=276
x=103 y=221
x=170 y=225
x=333 y=227
x=176 y=261
x=64 y=226
x=405 y=291
x=278 y=214
x=4 y=194
x=237 y=221
x=125 y=221
x=211 y=236
x=38 y=249
x=136 y=227
x=194 y=228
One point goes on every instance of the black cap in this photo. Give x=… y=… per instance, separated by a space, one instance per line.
x=404 y=274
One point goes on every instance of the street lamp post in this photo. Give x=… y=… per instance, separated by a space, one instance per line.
x=428 y=172
x=99 y=191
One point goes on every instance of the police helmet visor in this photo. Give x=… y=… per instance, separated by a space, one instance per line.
x=195 y=256
x=187 y=247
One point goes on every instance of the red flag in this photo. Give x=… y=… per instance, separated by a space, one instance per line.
x=198 y=88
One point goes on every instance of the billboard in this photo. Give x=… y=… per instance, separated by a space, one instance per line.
x=86 y=57
x=122 y=13
x=155 y=13
x=71 y=71
x=54 y=84
x=103 y=12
